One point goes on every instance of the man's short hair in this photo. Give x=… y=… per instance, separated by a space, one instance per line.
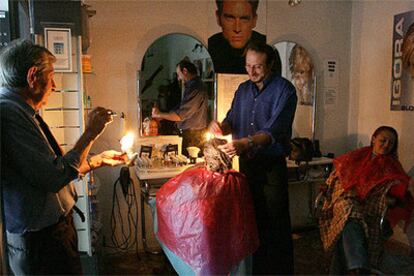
x=262 y=47
x=253 y=3
x=187 y=64
x=17 y=58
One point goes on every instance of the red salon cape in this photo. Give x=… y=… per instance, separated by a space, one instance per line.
x=207 y=219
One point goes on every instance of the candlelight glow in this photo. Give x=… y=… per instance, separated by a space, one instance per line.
x=127 y=142
x=209 y=136
x=227 y=138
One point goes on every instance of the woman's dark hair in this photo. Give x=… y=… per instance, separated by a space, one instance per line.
x=262 y=47
x=16 y=60
x=186 y=64
x=394 y=150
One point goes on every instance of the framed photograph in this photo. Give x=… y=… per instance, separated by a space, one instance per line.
x=145 y=151
x=58 y=41
x=171 y=150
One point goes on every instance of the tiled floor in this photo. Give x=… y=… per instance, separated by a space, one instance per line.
x=310 y=259
x=306 y=244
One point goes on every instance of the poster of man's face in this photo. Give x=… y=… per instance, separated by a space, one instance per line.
x=232 y=24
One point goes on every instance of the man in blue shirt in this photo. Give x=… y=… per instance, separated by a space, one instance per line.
x=36 y=176
x=260 y=121
x=191 y=114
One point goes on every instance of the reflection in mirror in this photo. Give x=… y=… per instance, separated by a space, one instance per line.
x=297 y=66
x=158 y=84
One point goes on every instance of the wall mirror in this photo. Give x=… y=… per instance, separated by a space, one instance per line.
x=157 y=79
x=298 y=67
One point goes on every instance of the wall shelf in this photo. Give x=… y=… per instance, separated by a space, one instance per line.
x=65 y=116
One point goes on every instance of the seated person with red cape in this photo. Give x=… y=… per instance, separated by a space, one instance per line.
x=206 y=218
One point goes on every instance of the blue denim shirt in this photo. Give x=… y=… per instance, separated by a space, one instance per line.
x=31 y=173
x=193 y=107
x=270 y=110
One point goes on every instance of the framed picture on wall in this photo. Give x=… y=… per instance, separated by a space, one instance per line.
x=58 y=42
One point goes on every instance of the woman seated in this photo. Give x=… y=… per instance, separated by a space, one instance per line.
x=355 y=199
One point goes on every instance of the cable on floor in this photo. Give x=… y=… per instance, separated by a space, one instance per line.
x=124 y=227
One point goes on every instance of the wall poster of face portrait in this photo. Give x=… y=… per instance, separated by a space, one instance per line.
x=231 y=25
x=402 y=73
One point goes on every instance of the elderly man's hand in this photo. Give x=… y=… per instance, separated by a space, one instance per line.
x=107 y=158
x=113 y=158
x=98 y=119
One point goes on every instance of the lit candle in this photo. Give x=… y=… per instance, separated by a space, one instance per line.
x=228 y=138
x=127 y=142
x=209 y=136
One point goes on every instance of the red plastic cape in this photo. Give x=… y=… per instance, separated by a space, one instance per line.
x=207 y=219
x=359 y=170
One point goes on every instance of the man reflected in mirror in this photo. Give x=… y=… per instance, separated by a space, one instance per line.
x=237 y=19
x=191 y=115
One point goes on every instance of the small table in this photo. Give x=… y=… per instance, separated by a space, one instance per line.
x=306 y=173
x=150 y=181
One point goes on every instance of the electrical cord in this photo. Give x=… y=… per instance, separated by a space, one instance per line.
x=124 y=227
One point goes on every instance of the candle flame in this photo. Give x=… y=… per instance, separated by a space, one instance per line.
x=209 y=136
x=228 y=138
x=127 y=142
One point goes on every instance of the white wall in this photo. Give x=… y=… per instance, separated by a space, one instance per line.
x=371 y=63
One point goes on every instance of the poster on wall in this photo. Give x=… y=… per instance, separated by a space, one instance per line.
x=231 y=25
x=58 y=41
x=402 y=75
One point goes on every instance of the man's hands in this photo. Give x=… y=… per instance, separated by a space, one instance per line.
x=215 y=128
x=235 y=147
x=107 y=158
x=112 y=158
x=98 y=118
x=156 y=113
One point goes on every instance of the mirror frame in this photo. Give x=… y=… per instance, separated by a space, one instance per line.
x=140 y=81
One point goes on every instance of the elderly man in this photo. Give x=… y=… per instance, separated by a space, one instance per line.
x=237 y=18
x=260 y=121
x=36 y=176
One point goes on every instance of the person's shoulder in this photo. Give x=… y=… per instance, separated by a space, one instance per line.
x=258 y=36
x=10 y=106
x=216 y=38
x=245 y=84
x=279 y=80
x=279 y=83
